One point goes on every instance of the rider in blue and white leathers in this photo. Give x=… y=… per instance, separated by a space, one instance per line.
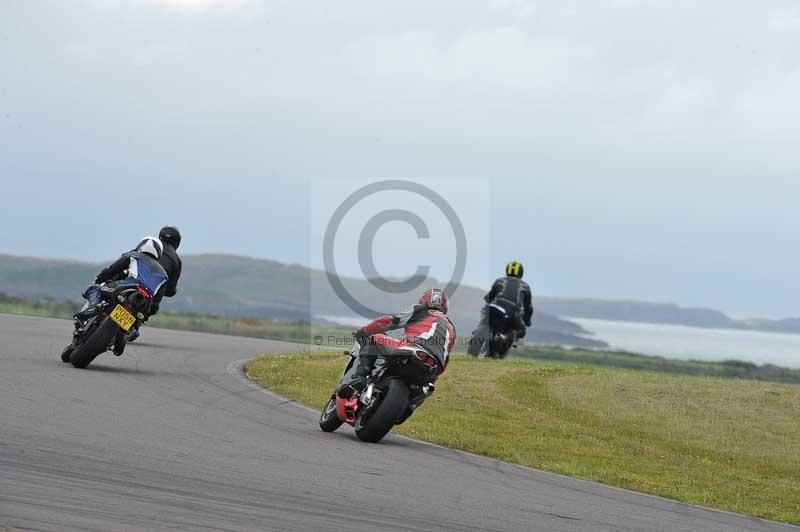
x=139 y=267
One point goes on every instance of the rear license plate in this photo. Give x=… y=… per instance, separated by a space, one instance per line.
x=122 y=317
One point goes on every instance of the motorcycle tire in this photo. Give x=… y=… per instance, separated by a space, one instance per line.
x=372 y=426
x=96 y=344
x=329 y=420
x=491 y=346
x=478 y=340
x=67 y=353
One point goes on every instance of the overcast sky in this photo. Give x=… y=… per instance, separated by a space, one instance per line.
x=634 y=149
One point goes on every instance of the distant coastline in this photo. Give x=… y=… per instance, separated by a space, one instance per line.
x=686 y=342
x=660 y=313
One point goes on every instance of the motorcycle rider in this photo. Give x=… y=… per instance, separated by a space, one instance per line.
x=139 y=266
x=170 y=237
x=426 y=327
x=514 y=296
x=170 y=261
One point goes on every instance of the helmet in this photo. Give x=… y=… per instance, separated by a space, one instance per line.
x=169 y=234
x=514 y=269
x=434 y=298
x=150 y=245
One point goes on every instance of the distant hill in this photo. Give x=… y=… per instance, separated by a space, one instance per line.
x=637 y=311
x=241 y=286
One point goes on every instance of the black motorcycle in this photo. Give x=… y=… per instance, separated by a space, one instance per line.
x=495 y=335
x=395 y=388
x=121 y=307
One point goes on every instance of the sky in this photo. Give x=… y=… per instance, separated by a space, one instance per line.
x=625 y=149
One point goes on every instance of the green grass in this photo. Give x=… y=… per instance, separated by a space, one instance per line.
x=37 y=307
x=294 y=331
x=728 y=368
x=719 y=442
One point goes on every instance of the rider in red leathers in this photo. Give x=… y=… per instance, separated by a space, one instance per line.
x=426 y=327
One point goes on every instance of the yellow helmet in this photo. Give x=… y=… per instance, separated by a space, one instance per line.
x=514 y=269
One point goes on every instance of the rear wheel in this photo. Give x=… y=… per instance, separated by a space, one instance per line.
x=374 y=423
x=328 y=420
x=97 y=343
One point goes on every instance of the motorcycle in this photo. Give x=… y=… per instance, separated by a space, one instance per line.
x=394 y=390
x=496 y=335
x=121 y=307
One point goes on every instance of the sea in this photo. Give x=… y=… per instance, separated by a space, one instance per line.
x=679 y=342
x=693 y=343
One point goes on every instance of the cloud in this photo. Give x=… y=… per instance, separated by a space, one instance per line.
x=181 y=5
x=785 y=21
x=611 y=112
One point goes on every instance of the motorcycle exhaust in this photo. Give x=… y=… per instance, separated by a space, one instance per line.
x=366 y=397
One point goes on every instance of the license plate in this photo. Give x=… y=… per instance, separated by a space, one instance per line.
x=122 y=317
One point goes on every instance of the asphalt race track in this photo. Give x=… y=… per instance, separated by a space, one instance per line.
x=171 y=437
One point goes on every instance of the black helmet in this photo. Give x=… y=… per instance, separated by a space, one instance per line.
x=513 y=269
x=170 y=235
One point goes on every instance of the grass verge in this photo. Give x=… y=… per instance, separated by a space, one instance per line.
x=724 y=443
x=293 y=331
x=738 y=369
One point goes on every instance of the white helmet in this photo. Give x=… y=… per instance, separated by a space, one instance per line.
x=150 y=245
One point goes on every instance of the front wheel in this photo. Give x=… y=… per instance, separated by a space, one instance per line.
x=376 y=422
x=66 y=353
x=477 y=342
x=493 y=346
x=329 y=420
x=98 y=342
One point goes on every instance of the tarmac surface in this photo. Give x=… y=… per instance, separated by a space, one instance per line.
x=171 y=436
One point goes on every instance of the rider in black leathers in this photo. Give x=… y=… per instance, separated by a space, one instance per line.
x=514 y=295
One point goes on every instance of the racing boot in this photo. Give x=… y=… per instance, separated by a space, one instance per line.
x=351 y=389
x=133 y=334
x=355 y=381
x=89 y=310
